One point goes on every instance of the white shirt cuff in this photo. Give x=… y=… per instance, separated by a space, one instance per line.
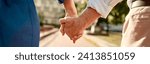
x=103 y=7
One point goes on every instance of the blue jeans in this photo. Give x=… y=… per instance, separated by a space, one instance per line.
x=19 y=24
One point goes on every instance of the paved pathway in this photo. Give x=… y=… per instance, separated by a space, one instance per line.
x=57 y=40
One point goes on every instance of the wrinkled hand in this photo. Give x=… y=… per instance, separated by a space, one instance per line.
x=73 y=27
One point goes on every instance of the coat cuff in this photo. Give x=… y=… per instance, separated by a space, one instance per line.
x=61 y=1
x=103 y=7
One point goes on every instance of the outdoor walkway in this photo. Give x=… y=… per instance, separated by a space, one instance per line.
x=57 y=40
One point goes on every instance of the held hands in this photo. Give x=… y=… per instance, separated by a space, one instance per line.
x=72 y=26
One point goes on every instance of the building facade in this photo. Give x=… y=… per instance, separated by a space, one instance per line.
x=50 y=9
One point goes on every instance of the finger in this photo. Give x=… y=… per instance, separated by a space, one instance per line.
x=62 y=21
x=68 y=21
x=76 y=38
x=70 y=36
x=74 y=41
x=62 y=29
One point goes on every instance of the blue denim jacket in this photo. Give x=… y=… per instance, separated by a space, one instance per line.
x=19 y=24
x=61 y=1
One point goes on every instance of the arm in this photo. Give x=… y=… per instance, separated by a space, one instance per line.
x=74 y=26
x=88 y=17
x=70 y=8
x=96 y=9
x=103 y=7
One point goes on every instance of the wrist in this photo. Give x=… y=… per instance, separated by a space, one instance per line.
x=71 y=14
x=89 y=16
x=70 y=8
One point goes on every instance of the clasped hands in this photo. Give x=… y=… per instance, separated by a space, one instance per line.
x=73 y=27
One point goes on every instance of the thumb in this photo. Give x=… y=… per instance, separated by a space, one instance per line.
x=62 y=29
x=62 y=22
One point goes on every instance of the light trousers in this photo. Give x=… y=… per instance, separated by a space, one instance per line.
x=136 y=29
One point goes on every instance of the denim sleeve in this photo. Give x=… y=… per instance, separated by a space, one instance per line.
x=61 y=1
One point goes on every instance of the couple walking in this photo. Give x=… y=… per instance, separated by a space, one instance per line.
x=136 y=32
x=19 y=24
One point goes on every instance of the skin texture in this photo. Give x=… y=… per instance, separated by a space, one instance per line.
x=74 y=26
x=70 y=10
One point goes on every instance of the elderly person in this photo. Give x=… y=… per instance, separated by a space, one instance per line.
x=136 y=32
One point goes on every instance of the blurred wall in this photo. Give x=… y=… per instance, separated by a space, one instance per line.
x=51 y=10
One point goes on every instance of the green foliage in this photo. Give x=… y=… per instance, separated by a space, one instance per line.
x=80 y=6
x=41 y=17
x=117 y=15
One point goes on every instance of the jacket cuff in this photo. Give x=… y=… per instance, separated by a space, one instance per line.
x=103 y=7
x=61 y=1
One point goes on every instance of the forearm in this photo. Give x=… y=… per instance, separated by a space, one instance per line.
x=70 y=8
x=89 y=16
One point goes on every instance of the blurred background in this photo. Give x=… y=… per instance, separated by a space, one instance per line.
x=103 y=33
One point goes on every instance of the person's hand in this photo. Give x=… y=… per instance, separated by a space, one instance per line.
x=63 y=23
x=73 y=27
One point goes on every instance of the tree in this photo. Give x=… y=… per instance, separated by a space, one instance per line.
x=81 y=6
x=117 y=15
x=41 y=17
